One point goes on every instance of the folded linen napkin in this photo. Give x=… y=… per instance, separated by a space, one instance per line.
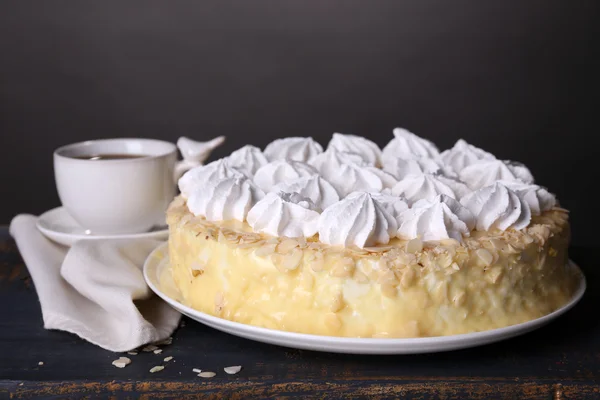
x=95 y=289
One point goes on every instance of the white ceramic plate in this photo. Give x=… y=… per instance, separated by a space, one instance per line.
x=59 y=226
x=157 y=263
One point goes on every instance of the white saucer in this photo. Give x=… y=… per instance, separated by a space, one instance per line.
x=157 y=263
x=59 y=226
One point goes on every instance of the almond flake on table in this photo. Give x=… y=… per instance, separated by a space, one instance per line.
x=157 y=351
x=207 y=374
x=233 y=369
x=150 y=348
x=196 y=370
x=121 y=362
x=165 y=342
x=41 y=363
x=158 y=368
x=133 y=353
x=167 y=359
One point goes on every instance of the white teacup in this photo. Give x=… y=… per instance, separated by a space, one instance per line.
x=129 y=189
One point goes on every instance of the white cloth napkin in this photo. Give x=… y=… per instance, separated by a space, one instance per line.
x=95 y=289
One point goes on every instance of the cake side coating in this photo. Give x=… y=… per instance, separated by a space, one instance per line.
x=402 y=289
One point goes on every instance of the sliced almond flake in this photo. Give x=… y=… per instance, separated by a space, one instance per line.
x=158 y=368
x=168 y=340
x=248 y=245
x=157 y=351
x=265 y=250
x=356 y=250
x=41 y=363
x=286 y=246
x=317 y=264
x=291 y=260
x=414 y=246
x=150 y=348
x=133 y=353
x=301 y=241
x=233 y=369
x=248 y=238
x=378 y=249
x=167 y=359
x=207 y=374
x=196 y=370
x=121 y=362
x=485 y=256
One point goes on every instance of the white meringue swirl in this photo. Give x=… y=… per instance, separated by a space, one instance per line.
x=416 y=187
x=284 y=214
x=366 y=149
x=459 y=188
x=247 y=159
x=497 y=207
x=355 y=194
x=400 y=168
x=520 y=171
x=463 y=154
x=358 y=220
x=327 y=161
x=279 y=171
x=224 y=199
x=317 y=189
x=407 y=145
x=198 y=176
x=347 y=172
x=537 y=197
x=293 y=148
x=395 y=205
x=388 y=180
x=487 y=172
x=437 y=219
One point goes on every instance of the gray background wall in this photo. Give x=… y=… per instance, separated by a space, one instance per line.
x=515 y=77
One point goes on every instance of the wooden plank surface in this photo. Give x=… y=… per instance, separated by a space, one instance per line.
x=560 y=361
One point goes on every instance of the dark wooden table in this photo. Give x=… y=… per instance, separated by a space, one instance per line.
x=559 y=361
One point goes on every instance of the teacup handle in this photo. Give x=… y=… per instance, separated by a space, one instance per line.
x=194 y=153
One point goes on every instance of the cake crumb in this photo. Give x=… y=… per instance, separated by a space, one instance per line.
x=158 y=368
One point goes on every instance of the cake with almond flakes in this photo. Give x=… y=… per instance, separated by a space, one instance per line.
x=356 y=241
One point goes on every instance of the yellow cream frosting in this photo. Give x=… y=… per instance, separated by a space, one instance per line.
x=403 y=289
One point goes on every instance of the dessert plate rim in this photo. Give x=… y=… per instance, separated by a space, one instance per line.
x=157 y=260
x=57 y=225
